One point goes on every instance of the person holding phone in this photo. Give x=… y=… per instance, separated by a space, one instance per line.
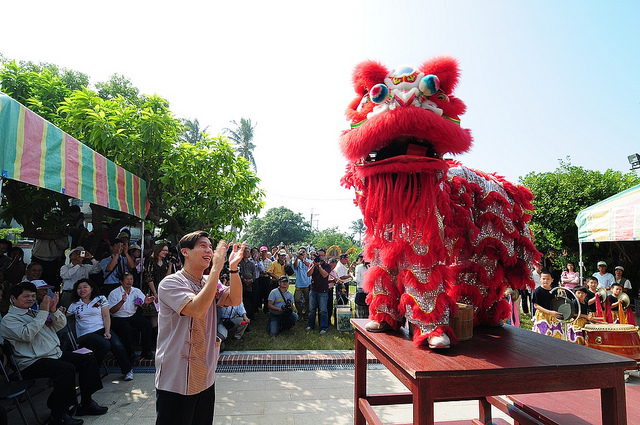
x=81 y=265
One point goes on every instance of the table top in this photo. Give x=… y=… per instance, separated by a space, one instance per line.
x=494 y=351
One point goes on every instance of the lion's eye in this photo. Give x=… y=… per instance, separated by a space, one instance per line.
x=442 y=96
x=429 y=85
x=379 y=93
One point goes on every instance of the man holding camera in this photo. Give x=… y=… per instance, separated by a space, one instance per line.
x=74 y=271
x=281 y=315
x=318 y=297
x=115 y=266
x=303 y=282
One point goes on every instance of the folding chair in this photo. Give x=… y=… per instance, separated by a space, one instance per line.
x=16 y=389
x=69 y=333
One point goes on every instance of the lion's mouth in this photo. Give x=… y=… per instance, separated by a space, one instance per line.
x=404 y=145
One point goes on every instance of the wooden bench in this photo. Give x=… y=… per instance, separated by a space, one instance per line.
x=563 y=408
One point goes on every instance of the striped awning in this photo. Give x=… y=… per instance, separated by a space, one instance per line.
x=36 y=152
x=617 y=218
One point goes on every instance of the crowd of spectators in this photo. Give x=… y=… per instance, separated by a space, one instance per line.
x=108 y=301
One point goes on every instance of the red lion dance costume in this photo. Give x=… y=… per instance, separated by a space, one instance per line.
x=437 y=232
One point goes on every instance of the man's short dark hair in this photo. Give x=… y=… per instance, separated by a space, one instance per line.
x=321 y=249
x=33 y=263
x=74 y=208
x=189 y=241
x=7 y=243
x=17 y=290
x=593 y=278
x=545 y=271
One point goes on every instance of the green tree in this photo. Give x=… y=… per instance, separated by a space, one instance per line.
x=332 y=236
x=357 y=227
x=118 y=85
x=220 y=189
x=278 y=225
x=242 y=137
x=141 y=135
x=192 y=132
x=561 y=194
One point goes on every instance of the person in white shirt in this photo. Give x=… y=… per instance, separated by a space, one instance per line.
x=342 y=283
x=76 y=270
x=126 y=315
x=93 y=325
x=605 y=279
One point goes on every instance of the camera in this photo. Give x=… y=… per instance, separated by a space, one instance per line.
x=174 y=260
x=287 y=308
x=318 y=260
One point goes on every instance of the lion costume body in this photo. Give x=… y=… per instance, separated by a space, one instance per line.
x=437 y=232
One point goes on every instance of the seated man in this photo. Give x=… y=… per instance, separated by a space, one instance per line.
x=126 y=316
x=232 y=320
x=38 y=354
x=281 y=315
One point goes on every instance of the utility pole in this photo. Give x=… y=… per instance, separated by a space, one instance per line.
x=311 y=221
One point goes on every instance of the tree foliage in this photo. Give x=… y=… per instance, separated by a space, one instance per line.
x=192 y=133
x=278 y=225
x=332 y=236
x=242 y=137
x=358 y=228
x=202 y=185
x=561 y=194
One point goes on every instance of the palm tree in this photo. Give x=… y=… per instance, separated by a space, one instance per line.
x=357 y=226
x=242 y=136
x=192 y=133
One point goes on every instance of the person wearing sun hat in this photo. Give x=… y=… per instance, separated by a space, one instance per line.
x=626 y=283
x=74 y=271
x=605 y=279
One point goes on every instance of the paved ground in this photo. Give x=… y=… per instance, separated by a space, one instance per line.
x=284 y=397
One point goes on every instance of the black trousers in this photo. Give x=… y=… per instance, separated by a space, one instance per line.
x=63 y=373
x=177 y=409
x=123 y=326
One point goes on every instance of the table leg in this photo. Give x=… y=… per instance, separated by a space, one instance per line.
x=360 y=385
x=484 y=414
x=422 y=402
x=613 y=402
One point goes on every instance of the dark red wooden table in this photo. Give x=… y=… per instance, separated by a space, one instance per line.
x=496 y=361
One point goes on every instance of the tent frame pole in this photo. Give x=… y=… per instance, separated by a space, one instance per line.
x=580 y=264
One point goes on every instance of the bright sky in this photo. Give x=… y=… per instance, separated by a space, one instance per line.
x=542 y=80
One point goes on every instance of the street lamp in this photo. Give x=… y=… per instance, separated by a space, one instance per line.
x=634 y=160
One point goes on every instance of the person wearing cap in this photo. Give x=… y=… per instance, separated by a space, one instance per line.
x=280 y=317
x=626 y=284
x=114 y=266
x=276 y=269
x=135 y=251
x=344 y=278
x=74 y=271
x=38 y=354
x=42 y=290
x=604 y=279
x=264 y=281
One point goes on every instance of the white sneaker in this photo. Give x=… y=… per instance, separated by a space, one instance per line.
x=129 y=376
x=322 y=332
